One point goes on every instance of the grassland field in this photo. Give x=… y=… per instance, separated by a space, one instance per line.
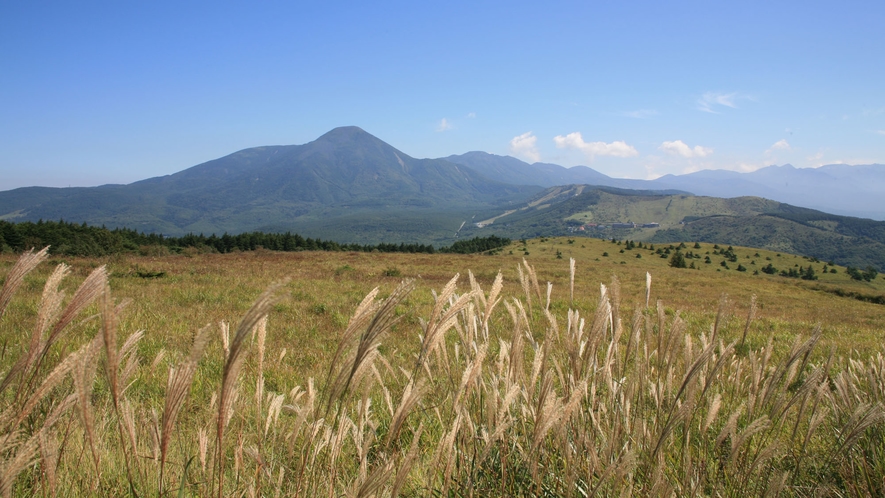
x=171 y=297
x=173 y=294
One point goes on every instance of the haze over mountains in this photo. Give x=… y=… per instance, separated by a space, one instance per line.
x=837 y=188
x=350 y=186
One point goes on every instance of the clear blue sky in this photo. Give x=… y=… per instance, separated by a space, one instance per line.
x=113 y=92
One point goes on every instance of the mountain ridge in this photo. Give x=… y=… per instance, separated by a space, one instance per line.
x=836 y=188
x=662 y=217
x=350 y=186
x=344 y=171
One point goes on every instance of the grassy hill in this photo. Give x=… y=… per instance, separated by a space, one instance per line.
x=783 y=235
x=746 y=221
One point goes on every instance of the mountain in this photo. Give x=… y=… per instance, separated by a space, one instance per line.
x=835 y=188
x=511 y=170
x=350 y=186
x=745 y=221
x=346 y=173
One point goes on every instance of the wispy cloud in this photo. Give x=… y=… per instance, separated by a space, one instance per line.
x=471 y=115
x=593 y=149
x=880 y=132
x=711 y=100
x=640 y=113
x=679 y=148
x=444 y=125
x=816 y=159
x=525 y=145
x=740 y=167
x=749 y=167
x=781 y=144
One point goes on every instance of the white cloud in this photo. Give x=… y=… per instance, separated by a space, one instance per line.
x=591 y=149
x=740 y=167
x=471 y=115
x=525 y=145
x=781 y=144
x=444 y=125
x=880 y=132
x=641 y=113
x=749 y=168
x=710 y=99
x=816 y=159
x=679 y=148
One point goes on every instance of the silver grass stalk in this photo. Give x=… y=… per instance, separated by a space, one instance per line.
x=533 y=277
x=50 y=304
x=760 y=424
x=84 y=376
x=751 y=314
x=526 y=289
x=180 y=381
x=261 y=336
x=689 y=375
x=491 y=302
x=274 y=408
x=647 y=288
x=408 y=460
x=441 y=322
x=23 y=458
x=571 y=280
x=86 y=294
x=233 y=365
x=24 y=265
x=49 y=383
x=366 y=348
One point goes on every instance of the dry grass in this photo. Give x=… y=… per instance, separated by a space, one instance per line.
x=506 y=391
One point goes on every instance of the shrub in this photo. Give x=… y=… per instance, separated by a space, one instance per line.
x=677 y=260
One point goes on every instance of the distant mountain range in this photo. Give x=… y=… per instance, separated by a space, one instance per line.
x=837 y=188
x=350 y=186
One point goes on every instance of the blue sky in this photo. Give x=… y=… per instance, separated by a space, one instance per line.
x=114 y=92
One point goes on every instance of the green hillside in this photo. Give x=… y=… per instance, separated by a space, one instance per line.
x=745 y=221
x=778 y=234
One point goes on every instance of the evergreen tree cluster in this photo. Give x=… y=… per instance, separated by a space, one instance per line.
x=72 y=239
x=805 y=273
x=769 y=269
x=802 y=272
x=677 y=260
x=477 y=244
x=867 y=275
x=727 y=253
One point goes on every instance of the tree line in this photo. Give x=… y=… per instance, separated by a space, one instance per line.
x=72 y=239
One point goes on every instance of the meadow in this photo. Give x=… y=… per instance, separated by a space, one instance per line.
x=550 y=368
